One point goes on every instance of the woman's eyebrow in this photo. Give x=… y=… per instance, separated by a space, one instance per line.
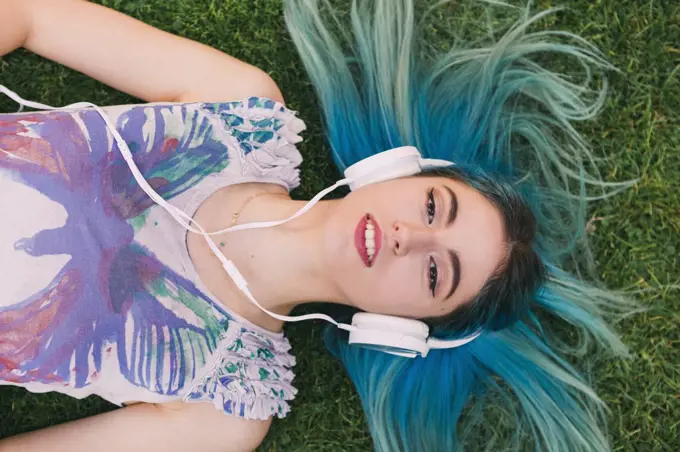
x=453 y=208
x=455 y=268
x=455 y=261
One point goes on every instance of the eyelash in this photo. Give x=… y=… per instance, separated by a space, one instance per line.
x=432 y=271
x=432 y=274
x=431 y=206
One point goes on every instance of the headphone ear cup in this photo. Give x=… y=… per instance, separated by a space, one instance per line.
x=394 y=335
x=387 y=165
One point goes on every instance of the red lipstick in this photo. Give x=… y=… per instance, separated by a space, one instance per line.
x=360 y=240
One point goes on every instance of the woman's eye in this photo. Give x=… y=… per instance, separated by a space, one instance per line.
x=431 y=206
x=433 y=276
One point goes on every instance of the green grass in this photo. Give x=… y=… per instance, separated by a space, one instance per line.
x=637 y=242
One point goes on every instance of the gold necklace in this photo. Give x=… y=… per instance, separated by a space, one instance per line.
x=240 y=209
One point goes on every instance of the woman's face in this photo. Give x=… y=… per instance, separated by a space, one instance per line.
x=414 y=247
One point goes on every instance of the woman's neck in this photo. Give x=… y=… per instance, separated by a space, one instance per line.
x=283 y=265
x=291 y=269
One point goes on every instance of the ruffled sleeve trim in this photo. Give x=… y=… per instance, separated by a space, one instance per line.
x=251 y=375
x=266 y=133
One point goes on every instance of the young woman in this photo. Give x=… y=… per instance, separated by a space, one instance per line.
x=104 y=293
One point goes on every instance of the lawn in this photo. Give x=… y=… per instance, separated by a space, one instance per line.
x=636 y=236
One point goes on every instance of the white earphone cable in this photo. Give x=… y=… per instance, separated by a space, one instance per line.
x=180 y=216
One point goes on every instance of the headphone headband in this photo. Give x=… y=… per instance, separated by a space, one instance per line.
x=403 y=161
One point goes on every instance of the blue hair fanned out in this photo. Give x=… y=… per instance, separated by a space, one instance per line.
x=496 y=108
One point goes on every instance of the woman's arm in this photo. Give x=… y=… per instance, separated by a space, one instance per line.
x=14 y=26
x=127 y=54
x=175 y=427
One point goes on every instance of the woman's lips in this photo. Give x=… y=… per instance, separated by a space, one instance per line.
x=360 y=240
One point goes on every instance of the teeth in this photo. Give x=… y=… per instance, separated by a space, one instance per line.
x=369 y=236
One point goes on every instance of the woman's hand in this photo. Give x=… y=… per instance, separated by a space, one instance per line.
x=127 y=54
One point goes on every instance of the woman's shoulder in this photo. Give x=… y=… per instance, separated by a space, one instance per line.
x=254 y=138
x=251 y=376
x=266 y=133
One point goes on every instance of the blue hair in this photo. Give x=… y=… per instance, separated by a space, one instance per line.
x=499 y=114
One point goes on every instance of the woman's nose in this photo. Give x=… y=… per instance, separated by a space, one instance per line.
x=405 y=238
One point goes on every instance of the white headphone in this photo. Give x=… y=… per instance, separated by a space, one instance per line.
x=393 y=335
